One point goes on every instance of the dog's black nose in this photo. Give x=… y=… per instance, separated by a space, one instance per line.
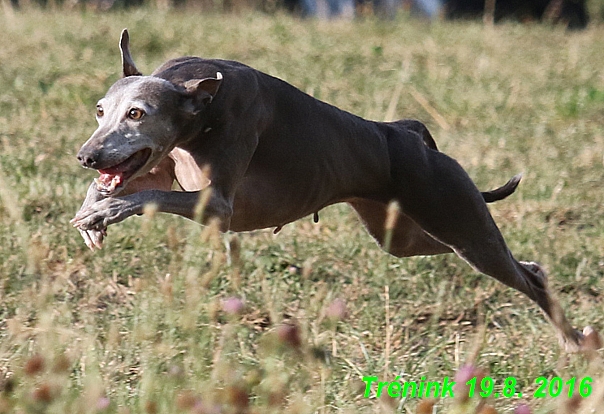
x=87 y=160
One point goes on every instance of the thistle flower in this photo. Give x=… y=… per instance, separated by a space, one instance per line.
x=34 y=365
x=237 y=397
x=186 y=401
x=464 y=374
x=43 y=394
x=336 y=311
x=522 y=409
x=103 y=403
x=233 y=306
x=425 y=407
x=289 y=335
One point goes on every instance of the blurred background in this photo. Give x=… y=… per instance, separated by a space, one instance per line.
x=575 y=14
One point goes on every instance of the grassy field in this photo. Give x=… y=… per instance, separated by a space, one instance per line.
x=165 y=319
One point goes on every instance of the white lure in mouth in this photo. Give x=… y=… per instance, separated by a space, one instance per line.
x=114 y=177
x=107 y=183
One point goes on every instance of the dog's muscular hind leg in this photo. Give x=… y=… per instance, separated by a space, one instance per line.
x=408 y=239
x=437 y=194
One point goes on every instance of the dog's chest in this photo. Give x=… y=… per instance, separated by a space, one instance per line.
x=188 y=174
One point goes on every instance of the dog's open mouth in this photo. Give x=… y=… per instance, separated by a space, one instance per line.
x=113 y=177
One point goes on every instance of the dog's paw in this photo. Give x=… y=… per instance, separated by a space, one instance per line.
x=101 y=214
x=93 y=238
x=591 y=341
x=587 y=342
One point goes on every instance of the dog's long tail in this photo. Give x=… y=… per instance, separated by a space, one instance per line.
x=502 y=192
x=489 y=196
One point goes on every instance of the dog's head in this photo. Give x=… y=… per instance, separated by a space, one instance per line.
x=140 y=119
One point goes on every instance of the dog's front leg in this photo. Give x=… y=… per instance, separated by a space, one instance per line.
x=160 y=177
x=111 y=210
x=92 y=237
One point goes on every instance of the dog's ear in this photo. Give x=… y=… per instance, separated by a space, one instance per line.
x=200 y=93
x=128 y=65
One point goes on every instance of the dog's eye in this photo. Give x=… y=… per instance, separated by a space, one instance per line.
x=99 y=111
x=135 y=114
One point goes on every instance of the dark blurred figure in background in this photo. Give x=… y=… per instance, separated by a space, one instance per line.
x=573 y=13
x=326 y=9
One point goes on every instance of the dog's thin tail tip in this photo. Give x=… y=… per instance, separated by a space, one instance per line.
x=513 y=182
x=504 y=191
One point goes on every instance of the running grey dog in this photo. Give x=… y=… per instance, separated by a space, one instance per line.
x=272 y=154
